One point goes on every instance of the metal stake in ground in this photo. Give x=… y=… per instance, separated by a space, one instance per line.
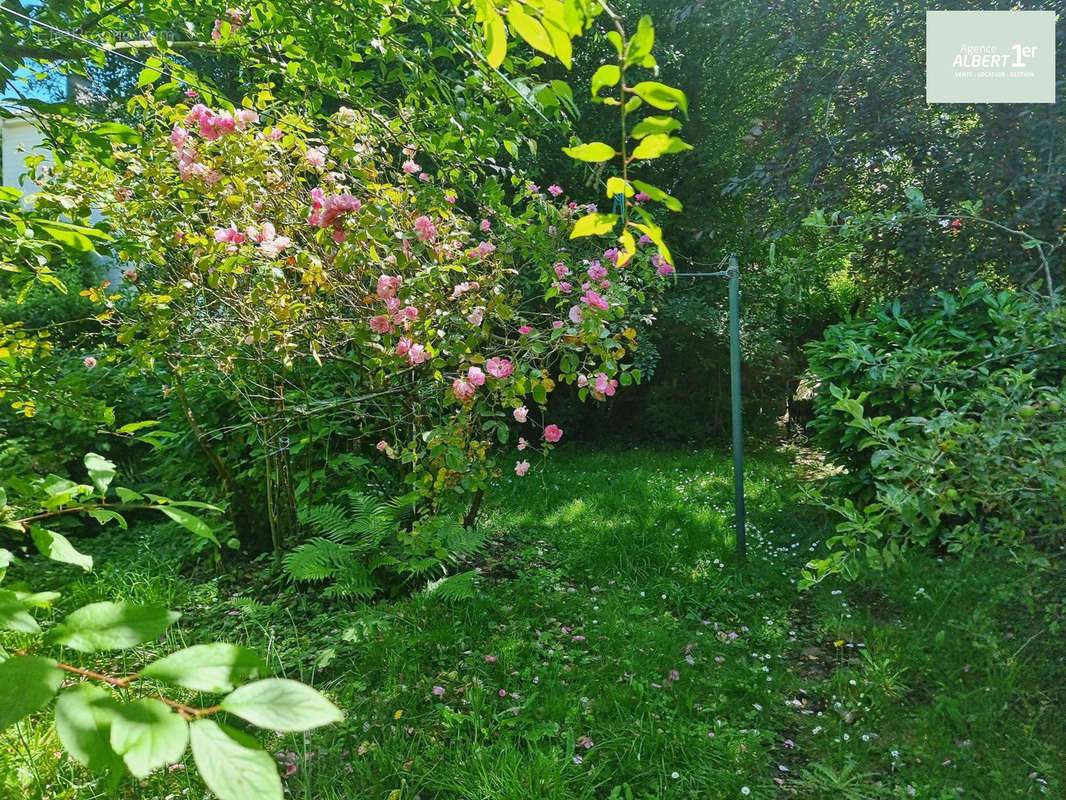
x=733 y=273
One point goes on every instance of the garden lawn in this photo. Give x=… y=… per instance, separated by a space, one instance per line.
x=614 y=650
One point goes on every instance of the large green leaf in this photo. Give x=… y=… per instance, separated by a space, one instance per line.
x=593 y=225
x=58 y=548
x=607 y=75
x=279 y=704
x=495 y=38
x=655 y=124
x=15 y=615
x=148 y=734
x=592 y=151
x=658 y=195
x=83 y=722
x=661 y=96
x=112 y=626
x=100 y=470
x=231 y=763
x=27 y=683
x=207 y=667
x=529 y=28
x=189 y=521
x=656 y=144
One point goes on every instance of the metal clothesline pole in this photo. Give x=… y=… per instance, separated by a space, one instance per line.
x=733 y=273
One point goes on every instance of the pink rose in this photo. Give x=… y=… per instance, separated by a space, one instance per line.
x=316 y=156
x=597 y=271
x=89 y=362
x=522 y=443
x=555 y=190
x=561 y=270
x=525 y=330
x=380 y=324
x=425 y=229
x=594 y=300
x=388 y=285
x=463 y=390
x=382 y=444
x=486 y=225
x=245 y=117
x=410 y=167
x=403 y=346
x=477 y=316
x=553 y=433
x=475 y=376
x=520 y=469
x=520 y=414
x=417 y=355
x=576 y=315
x=499 y=367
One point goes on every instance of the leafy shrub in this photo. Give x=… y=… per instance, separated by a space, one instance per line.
x=949 y=427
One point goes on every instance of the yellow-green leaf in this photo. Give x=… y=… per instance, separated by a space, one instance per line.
x=661 y=96
x=629 y=248
x=495 y=38
x=593 y=225
x=658 y=195
x=656 y=144
x=654 y=125
x=529 y=29
x=607 y=75
x=616 y=185
x=592 y=151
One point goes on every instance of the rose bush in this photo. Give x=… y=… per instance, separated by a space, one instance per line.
x=263 y=246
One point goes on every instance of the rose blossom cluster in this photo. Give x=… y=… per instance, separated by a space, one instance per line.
x=236 y=19
x=328 y=209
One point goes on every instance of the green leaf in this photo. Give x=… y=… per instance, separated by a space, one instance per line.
x=658 y=195
x=189 y=522
x=83 y=722
x=14 y=614
x=148 y=75
x=614 y=38
x=495 y=38
x=127 y=495
x=594 y=225
x=592 y=151
x=661 y=96
x=540 y=394
x=529 y=29
x=27 y=683
x=58 y=548
x=279 y=704
x=118 y=132
x=207 y=667
x=148 y=734
x=641 y=43
x=231 y=763
x=657 y=124
x=656 y=144
x=101 y=471
x=106 y=515
x=112 y=626
x=607 y=75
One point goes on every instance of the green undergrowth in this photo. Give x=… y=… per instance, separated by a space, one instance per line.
x=615 y=650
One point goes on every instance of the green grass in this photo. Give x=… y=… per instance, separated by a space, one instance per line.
x=610 y=609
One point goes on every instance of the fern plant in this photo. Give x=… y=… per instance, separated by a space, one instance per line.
x=361 y=545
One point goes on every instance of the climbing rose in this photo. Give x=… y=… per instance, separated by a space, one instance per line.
x=582 y=381
x=593 y=299
x=270 y=244
x=89 y=362
x=561 y=270
x=388 y=285
x=382 y=444
x=555 y=190
x=553 y=433
x=520 y=414
x=522 y=443
x=521 y=468
x=564 y=287
x=463 y=390
x=417 y=355
x=557 y=323
x=231 y=235
x=525 y=329
x=316 y=156
x=486 y=225
x=410 y=167
x=576 y=315
x=475 y=376
x=477 y=316
x=663 y=267
x=245 y=117
x=327 y=208
x=597 y=271
x=425 y=229
x=403 y=346
x=380 y=324
x=499 y=367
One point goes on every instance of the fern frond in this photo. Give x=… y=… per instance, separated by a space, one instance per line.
x=354 y=580
x=317 y=559
x=329 y=521
x=462 y=586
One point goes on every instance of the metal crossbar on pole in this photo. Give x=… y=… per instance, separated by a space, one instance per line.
x=733 y=273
